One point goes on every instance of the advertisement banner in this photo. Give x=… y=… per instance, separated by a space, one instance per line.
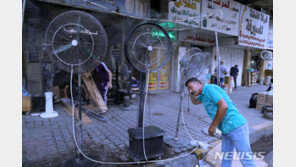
x=221 y=16
x=185 y=12
x=254 y=28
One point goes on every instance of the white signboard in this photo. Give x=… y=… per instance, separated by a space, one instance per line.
x=221 y=16
x=195 y=38
x=185 y=12
x=254 y=28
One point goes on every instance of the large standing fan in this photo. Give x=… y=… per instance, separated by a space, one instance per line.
x=147 y=52
x=76 y=42
x=192 y=65
x=266 y=55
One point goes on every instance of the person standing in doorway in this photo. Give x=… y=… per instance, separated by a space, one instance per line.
x=234 y=74
x=104 y=81
x=222 y=73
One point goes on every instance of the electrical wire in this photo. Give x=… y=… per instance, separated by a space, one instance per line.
x=117 y=163
x=143 y=128
x=73 y=106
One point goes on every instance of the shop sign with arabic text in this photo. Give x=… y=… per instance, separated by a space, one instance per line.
x=221 y=16
x=254 y=28
x=185 y=12
x=196 y=38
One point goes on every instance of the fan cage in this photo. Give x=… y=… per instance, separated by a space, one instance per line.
x=192 y=64
x=145 y=51
x=90 y=37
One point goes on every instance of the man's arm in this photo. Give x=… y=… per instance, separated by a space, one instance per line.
x=222 y=108
x=110 y=79
x=225 y=71
x=194 y=99
x=109 y=74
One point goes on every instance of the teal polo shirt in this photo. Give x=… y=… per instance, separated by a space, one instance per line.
x=210 y=96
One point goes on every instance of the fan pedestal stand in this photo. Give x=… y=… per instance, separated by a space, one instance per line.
x=80 y=160
x=146 y=140
x=77 y=54
x=142 y=98
x=49 y=112
x=175 y=141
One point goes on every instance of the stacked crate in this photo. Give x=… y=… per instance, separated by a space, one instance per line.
x=264 y=100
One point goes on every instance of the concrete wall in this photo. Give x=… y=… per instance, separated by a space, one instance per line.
x=230 y=57
x=176 y=68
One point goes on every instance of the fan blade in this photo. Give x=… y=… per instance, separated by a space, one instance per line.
x=63 y=48
x=142 y=44
x=87 y=51
x=78 y=27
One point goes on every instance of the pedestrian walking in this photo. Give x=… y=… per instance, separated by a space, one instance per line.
x=222 y=73
x=234 y=73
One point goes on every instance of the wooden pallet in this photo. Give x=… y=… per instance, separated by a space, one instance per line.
x=68 y=109
x=94 y=92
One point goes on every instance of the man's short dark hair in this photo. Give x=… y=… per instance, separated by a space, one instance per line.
x=236 y=66
x=192 y=79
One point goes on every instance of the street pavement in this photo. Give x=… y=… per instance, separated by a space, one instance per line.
x=49 y=142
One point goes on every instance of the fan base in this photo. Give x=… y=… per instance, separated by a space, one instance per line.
x=173 y=142
x=49 y=114
x=77 y=162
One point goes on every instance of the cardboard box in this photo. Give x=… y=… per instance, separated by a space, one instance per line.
x=269 y=97
x=269 y=100
x=261 y=97
x=259 y=106
x=26 y=103
x=269 y=103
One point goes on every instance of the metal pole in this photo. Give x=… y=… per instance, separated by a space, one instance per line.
x=180 y=110
x=79 y=113
x=188 y=108
x=142 y=98
x=117 y=82
x=24 y=6
x=218 y=57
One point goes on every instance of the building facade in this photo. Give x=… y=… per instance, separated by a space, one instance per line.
x=242 y=34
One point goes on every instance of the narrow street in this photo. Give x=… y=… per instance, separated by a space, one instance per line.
x=49 y=142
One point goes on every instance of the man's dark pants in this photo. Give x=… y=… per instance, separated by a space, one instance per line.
x=234 y=78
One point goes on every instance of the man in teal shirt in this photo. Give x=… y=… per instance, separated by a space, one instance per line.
x=225 y=116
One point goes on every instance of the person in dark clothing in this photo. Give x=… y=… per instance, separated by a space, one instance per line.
x=104 y=80
x=234 y=74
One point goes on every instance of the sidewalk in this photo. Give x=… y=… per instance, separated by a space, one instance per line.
x=49 y=142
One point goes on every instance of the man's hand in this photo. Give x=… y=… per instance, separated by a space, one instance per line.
x=212 y=130
x=194 y=99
